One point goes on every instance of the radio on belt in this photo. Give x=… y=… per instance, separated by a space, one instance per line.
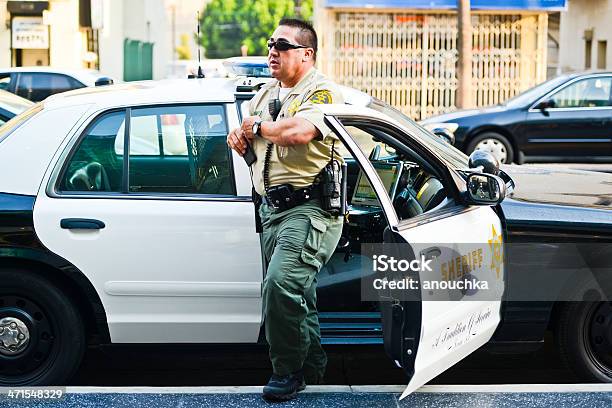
x=332 y=181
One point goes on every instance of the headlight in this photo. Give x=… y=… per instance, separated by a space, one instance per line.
x=451 y=127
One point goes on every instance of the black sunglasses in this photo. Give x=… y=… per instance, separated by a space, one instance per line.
x=284 y=45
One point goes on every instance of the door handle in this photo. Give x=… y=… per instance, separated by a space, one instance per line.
x=81 y=223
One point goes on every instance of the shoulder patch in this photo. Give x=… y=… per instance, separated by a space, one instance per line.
x=321 y=97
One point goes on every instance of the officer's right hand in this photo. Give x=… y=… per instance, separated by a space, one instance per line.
x=237 y=141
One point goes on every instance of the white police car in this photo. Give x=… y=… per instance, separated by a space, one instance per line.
x=124 y=218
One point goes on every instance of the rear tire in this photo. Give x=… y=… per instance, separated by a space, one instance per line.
x=497 y=144
x=36 y=313
x=584 y=338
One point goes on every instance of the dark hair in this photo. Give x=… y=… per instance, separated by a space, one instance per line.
x=306 y=36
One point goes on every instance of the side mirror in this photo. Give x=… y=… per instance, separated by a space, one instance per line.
x=485 y=160
x=445 y=134
x=485 y=189
x=544 y=105
x=104 y=81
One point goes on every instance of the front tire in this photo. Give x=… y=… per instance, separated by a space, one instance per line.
x=584 y=338
x=42 y=338
x=498 y=145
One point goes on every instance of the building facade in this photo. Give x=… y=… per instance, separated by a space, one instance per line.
x=127 y=40
x=586 y=35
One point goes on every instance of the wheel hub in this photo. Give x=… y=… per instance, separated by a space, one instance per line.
x=495 y=147
x=14 y=336
x=601 y=334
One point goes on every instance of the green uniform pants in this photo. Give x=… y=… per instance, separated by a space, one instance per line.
x=297 y=243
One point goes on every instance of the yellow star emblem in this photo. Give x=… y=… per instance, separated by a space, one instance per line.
x=496 y=248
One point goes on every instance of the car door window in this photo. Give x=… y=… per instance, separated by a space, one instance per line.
x=180 y=149
x=95 y=165
x=173 y=149
x=586 y=93
x=38 y=86
x=413 y=187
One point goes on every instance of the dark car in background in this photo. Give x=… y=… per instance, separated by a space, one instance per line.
x=566 y=118
x=37 y=83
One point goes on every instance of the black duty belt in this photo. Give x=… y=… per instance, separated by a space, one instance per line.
x=285 y=197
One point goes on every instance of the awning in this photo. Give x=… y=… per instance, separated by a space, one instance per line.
x=27 y=8
x=548 y=5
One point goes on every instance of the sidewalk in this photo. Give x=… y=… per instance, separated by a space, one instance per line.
x=447 y=396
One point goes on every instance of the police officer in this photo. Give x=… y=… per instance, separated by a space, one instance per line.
x=299 y=236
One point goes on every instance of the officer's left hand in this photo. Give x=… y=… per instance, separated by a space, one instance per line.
x=247 y=127
x=236 y=141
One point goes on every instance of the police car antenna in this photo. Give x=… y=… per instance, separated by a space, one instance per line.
x=200 y=72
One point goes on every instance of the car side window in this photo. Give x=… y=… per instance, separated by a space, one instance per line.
x=411 y=186
x=37 y=86
x=95 y=166
x=180 y=149
x=586 y=93
x=173 y=149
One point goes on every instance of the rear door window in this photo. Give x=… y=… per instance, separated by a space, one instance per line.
x=180 y=150
x=95 y=166
x=175 y=149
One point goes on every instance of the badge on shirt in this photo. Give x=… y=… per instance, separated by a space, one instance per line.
x=293 y=107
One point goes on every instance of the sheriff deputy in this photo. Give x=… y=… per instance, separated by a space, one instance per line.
x=292 y=145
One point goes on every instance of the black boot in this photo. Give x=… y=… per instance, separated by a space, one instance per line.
x=284 y=387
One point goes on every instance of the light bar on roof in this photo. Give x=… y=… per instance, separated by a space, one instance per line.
x=253 y=67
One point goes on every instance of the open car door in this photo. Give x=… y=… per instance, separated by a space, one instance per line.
x=441 y=318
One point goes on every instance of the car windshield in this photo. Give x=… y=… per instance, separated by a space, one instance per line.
x=530 y=95
x=13 y=124
x=452 y=155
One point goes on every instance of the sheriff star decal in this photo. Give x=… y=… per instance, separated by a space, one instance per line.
x=495 y=245
x=321 y=97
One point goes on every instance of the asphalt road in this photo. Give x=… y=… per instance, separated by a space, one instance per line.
x=601 y=167
x=333 y=397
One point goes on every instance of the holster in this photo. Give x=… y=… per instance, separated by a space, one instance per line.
x=257 y=201
x=330 y=181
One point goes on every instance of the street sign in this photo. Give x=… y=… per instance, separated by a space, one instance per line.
x=29 y=33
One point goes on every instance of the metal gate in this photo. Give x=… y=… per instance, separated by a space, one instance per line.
x=409 y=60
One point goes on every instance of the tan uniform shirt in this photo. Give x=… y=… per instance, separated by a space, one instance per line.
x=296 y=165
